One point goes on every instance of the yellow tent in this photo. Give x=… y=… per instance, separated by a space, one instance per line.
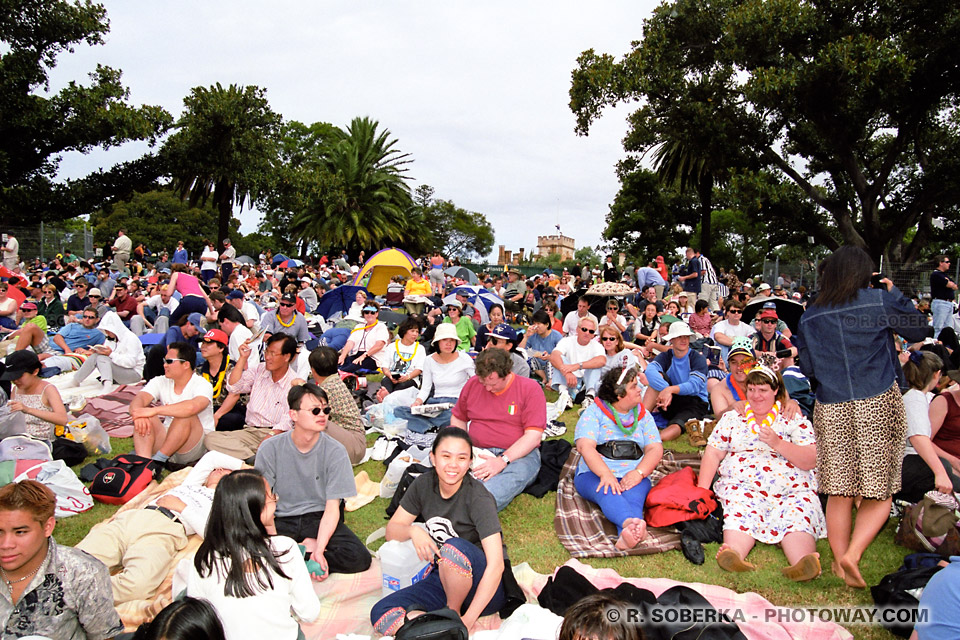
x=382 y=266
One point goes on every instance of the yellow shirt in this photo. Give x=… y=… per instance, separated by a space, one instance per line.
x=421 y=288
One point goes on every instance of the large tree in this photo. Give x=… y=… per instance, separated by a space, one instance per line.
x=440 y=225
x=362 y=199
x=224 y=149
x=37 y=127
x=853 y=103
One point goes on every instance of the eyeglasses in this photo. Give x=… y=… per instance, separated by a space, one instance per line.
x=287 y=304
x=172 y=360
x=608 y=339
x=768 y=321
x=735 y=311
x=590 y=331
x=86 y=317
x=318 y=410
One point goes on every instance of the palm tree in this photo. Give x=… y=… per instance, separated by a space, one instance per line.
x=224 y=149
x=679 y=163
x=362 y=198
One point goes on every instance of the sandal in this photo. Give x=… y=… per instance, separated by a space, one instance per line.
x=730 y=560
x=806 y=568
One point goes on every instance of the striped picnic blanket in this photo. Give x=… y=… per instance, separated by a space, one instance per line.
x=113 y=410
x=586 y=533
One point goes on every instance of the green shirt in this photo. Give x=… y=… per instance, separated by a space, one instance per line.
x=465 y=331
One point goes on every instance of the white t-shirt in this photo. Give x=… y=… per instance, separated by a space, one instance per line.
x=208 y=260
x=157 y=303
x=447 y=380
x=240 y=335
x=161 y=388
x=574 y=353
x=402 y=359
x=739 y=330
x=917 y=405
x=250 y=312
x=365 y=340
x=572 y=320
x=605 y=320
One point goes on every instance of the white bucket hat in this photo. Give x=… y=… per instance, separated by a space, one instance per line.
x=445 y=331
x=678 y=330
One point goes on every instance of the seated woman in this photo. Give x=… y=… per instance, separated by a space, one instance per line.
x=444 y=375
x=38 y=400
x=364 y=349
x=645 y=327
x=119 y=360
x=404 y=360
x=766 y=484
x=496 y=319
x=923 y=470
x=183 y=619
x=465 y=329
x=356 y=309
x=620 y=447
x=619 y=353
x=417 y=285
x=613 y=318
x=701 y=320
x=945 y=427
x=229 y=414
x=253 y=578
x=51 y=307
x=464 y=543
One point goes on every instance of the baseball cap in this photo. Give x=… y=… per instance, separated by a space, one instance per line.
x=288 y=297
x=769 y=310
x=20 y=362
x=504 y=332
x=196 y=320
x=28 y=306
x=217 y=336
x=236 y=294
x=763 y=287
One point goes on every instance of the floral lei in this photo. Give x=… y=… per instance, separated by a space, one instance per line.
x=768 y=420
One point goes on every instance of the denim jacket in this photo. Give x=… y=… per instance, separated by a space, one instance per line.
x=849 y=349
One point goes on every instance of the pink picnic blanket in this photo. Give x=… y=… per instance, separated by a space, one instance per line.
x=113 y=410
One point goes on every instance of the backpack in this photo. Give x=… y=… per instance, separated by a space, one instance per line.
x=122 y=478
x=901 y=590
x=442 y=624
x=24 y=447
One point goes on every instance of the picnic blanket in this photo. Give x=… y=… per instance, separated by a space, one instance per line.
x=753 y=622
x=586 y=533
x=113 y=410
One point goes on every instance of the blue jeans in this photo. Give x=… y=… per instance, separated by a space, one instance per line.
x=590 y=381
x=517 y=476
x=616 y=507
x=422 y=424
x=942 y=311
x=428 y=594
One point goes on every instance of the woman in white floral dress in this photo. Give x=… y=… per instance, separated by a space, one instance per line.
x=766 y=480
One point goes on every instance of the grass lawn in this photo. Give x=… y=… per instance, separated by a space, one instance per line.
x=530 y=537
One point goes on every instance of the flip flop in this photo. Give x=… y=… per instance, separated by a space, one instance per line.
x=730 y=560
x=806 y=568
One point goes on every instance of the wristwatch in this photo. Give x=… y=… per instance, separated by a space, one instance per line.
x=505 y=457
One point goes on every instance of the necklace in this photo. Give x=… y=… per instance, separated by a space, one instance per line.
x=400 y=355
x=768 y=420
x=285 y=324
x=10 y=583
x=614 y=415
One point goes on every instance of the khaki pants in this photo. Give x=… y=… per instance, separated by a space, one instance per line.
x=240 y=444
x=143 y=543
x=355 y=442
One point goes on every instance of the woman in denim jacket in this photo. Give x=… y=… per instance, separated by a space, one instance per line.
x=846 y=344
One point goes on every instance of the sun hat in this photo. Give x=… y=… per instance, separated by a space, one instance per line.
x=94 y=292
x=20 y=362
x=446 y=331
x=217 y=336
x=763 y=287
x=678 y=330
x=455 y=303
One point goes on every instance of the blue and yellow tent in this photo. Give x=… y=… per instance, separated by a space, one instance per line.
x=382 y=266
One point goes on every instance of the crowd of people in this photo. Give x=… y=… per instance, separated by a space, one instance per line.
x=244 y=382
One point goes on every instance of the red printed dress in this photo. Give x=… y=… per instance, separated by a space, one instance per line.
x=762 y=493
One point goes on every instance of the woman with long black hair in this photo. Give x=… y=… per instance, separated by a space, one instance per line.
x=252 y=577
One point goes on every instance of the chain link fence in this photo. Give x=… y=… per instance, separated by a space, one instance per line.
x=913 y=279
x=791 y=275
x=45 y=241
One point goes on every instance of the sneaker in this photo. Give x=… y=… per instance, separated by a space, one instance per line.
x=564 y=401
x=554 y=428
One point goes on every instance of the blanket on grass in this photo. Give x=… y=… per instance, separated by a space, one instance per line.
x=113 y=410
x=586 y=533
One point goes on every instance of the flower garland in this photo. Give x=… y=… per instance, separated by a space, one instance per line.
x=396 y=345
x=612 y=414
x=768 y=420
x=284 y=324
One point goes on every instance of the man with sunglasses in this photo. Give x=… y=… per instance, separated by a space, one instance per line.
x=730 y=328
x=577 y=360
x=943 y=290
x=285 y=319
x=77 y=301
x=185 y=402
x=768 y=339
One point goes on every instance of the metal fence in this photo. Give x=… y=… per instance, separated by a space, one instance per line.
x=45 y=241
x=913 y=279
x=790 y=274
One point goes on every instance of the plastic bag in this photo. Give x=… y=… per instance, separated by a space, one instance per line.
x=12 y=423
x=72 y=496
x=88 y=431
x=388 y=485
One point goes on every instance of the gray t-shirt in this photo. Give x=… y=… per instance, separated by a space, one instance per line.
x=270 y=322
x=305 y=481
x=470 y=514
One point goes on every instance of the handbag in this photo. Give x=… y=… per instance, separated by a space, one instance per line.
x=442 y=624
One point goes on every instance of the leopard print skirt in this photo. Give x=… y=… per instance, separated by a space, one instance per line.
x=860 y=445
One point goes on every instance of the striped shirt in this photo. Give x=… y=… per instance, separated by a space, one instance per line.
x=707 y=271
x=267 y=406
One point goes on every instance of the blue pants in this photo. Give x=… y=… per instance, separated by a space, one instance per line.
x=462 y=556
x=616 y=507
x=422 y=424
x=589 y=382
x=942 y=311
x=188 y=305
x=517 y=476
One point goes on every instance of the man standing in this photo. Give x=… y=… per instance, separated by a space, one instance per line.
x=709 y=283
x=185 y=399
x=649 y=276
x=11 y=253
x=226 y=260
x=678 y=383
x=690 y=275
x=943 y=291
x=180 y=255
x=506 y=415
x=577 y=360
x=51 y=591
x=122 y=247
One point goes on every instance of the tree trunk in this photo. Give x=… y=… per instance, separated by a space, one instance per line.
x=705 y=191
x=224 y=213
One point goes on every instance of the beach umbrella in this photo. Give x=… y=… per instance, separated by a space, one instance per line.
x=291 y=262
x=277 y=259
x=462 y=273
x=787 y=310
x=479 y=297
x=336 y=300
x=246 y=260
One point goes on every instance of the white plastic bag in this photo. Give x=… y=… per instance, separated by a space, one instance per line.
x=12 y=423
x=72 y=496
x=388 y=485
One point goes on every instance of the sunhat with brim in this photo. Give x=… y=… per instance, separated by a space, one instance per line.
x=455 y=303
x=446 y=331
x=763 y=287
x=678 y=330
x=19 y=363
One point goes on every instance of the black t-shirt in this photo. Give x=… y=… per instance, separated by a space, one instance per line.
x=938 y=286
x=470 y=514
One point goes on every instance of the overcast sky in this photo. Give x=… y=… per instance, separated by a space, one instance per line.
x=476 y=92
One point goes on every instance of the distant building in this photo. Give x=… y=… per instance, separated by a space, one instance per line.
x=556 y=244
x=506 y=257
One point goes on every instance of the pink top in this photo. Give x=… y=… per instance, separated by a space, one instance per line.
x=700 y=323
x=498 y=420
x=188 y=285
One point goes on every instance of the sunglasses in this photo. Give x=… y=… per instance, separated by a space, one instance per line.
x=287 y=304
x=768 y=321
x=370 y=313
x=590 y=331
x=90 y=317
x=208 y=341
x=735 y=311
x=608 y=339
x=172 y=360
x=318 y=410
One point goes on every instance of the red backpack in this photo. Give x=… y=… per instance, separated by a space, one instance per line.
x=677 y=498
x=124 y=478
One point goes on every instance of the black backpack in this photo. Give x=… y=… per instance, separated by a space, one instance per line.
x=442 y=624
x=896 y=589
x=119 y=480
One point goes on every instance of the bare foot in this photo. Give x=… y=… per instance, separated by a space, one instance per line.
x=851 y=573
x=630 y=535
x=837 y=571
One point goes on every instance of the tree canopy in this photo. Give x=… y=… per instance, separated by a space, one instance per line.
x=443 y=226
x=36 y=128
x=852 y=104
